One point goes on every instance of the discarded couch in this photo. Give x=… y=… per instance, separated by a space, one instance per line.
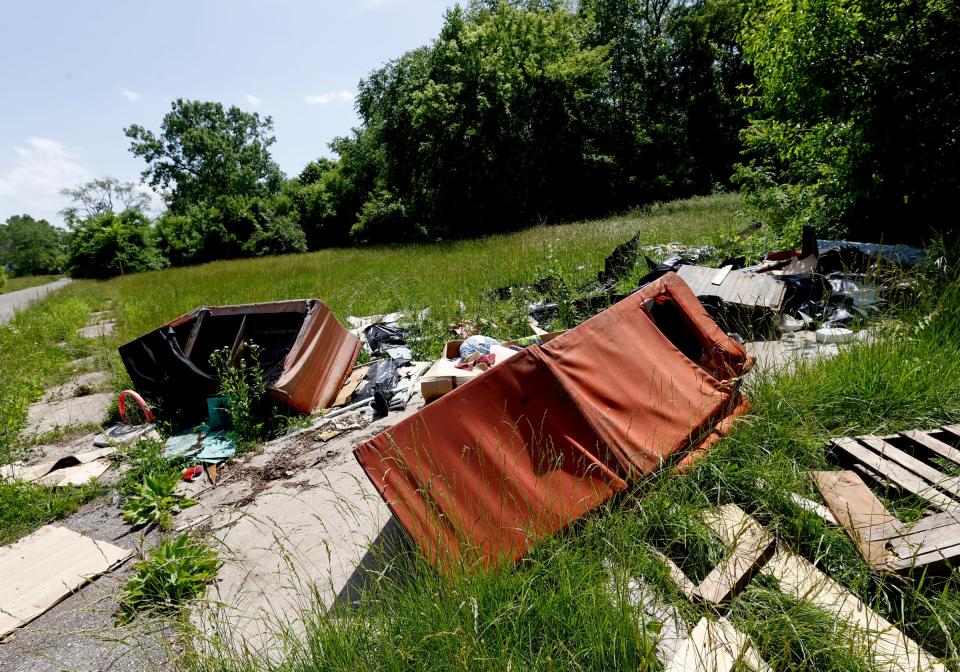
x=305 y=355
x=520 y=452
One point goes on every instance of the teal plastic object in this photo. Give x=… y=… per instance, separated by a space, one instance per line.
x=217 y=412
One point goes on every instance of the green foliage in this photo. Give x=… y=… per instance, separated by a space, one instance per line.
x=850 y=113
x=106 y=245
x=204 y=151
x=143 y=458
x=175 y=571
x=3 y=278
x=30 y=246
x=242 y=384
x=156 y=500
x=25 y=507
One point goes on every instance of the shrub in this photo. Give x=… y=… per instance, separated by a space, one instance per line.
x=172 y=573
x=244 y=387
x=107 y=245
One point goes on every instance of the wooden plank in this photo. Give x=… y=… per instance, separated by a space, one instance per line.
x=676 y=574
x=888 y=470
x=721 y=275
x=920 y=468
x=716 y=646
x=926 y=541
x=891 y=649
x=45 y=567
x=194 y=332
x=952 y=430
x=933 y=445
x=857 y=509
x=752 y=547
x=931 y=522
x=672 y=632
x=237 y=342
x=930 y=556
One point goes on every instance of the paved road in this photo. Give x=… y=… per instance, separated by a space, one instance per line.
x=11 y=302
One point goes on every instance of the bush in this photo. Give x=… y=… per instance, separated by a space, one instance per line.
x=107 y=245
x=3 y=278
x=382 y=219
x=175 y=571
x=244 y=388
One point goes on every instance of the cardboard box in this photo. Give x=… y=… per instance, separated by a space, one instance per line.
x=444 y=376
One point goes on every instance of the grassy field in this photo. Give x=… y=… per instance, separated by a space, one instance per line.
x=15 y=284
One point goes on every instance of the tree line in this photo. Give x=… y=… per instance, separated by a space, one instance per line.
x=842 y=114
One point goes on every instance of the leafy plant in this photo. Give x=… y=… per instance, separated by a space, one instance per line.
x=173 y=572
x=243 y=385
x=144 y=458
x=156 y=500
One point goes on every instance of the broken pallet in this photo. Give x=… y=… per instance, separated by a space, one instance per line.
x=907 y=462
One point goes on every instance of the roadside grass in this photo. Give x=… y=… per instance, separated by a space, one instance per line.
x=24 y=507
x=26 y=281
x=567 y=605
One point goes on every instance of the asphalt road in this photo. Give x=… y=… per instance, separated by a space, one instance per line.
x=11 y=302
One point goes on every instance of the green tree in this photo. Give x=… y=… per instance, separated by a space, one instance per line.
x=204 y=151
x=489 y=126
x=30 y=246
x=110 y=244
x=101 y=196
x=855 y=118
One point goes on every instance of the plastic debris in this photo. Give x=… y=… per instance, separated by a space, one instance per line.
x=835 y=335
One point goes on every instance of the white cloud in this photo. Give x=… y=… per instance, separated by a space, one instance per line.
x=33 y=182
x=132 y=96
x=341 y=96
x=253 y=100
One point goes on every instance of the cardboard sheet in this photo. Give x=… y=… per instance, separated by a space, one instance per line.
x=45 y=567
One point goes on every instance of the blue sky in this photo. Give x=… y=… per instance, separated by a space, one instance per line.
x=74 y=73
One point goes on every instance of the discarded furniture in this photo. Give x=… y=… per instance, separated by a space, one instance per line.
x=45 y=567
x=888 y=647
x=907 y=462
x=304 y=352
x=522 y=451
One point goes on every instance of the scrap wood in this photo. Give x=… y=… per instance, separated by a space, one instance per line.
x=858 y=510
x=47 y=566
x=751 y=547
x=891 y=648
x=350 y=386
x=717 y=646
x=883 y=471
x=743 y=288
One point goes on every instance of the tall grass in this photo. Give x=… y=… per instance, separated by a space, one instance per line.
x=25 y=282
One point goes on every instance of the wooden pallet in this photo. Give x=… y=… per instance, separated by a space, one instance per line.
x=712 y=646
x=903 y=461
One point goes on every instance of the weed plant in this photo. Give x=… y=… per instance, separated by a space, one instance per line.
x=173 y=572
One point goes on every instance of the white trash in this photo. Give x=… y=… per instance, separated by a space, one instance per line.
x=835 y=335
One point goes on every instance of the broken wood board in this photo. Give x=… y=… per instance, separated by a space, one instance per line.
x=889 y=647
x=350 y=386
x=858 y=510
x=716 y=646
x=751 y=547
x=743 y=288
x=45 y=567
